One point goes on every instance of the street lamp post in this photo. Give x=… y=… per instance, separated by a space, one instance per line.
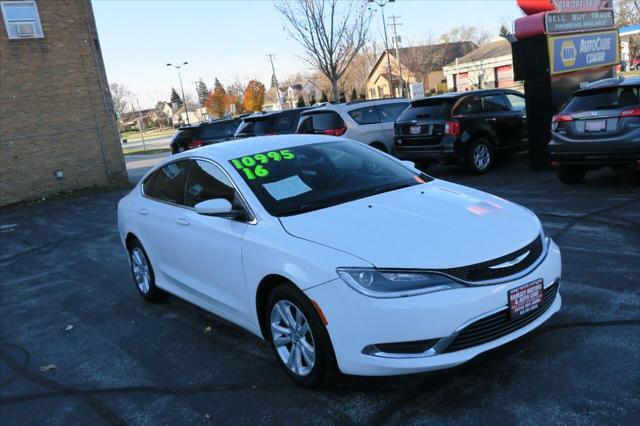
x=382 y=4
x=186 y=109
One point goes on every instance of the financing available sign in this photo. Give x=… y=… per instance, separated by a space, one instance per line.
x=566 y=22
x=581 y=51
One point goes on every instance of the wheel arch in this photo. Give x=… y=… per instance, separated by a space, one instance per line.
x=266 y=286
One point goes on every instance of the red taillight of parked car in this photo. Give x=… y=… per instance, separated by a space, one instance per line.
x=560 y=118
x=195 y=144
x=451 y=128
x=633 y=112
x=272 y=133
x=335 y=132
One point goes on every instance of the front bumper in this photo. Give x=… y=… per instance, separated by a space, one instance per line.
x=356 y=322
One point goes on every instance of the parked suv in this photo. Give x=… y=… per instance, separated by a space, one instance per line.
x=469 y=128
x=598 y=126
x=369 y=122
x=205 y=134
x=272 y=123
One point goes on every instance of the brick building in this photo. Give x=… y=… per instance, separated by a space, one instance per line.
x=57 y=126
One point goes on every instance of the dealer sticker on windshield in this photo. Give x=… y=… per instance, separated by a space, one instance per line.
x=256 y=166
x=287 y=188
x=526 y=298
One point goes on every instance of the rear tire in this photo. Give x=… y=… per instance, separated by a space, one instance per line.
x=480 y=156
x=143 y=275
x=571 y=174
x=298 y=338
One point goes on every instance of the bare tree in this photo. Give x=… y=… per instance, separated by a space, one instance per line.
x=121 y=98
x=331 y=33
x=466 y=33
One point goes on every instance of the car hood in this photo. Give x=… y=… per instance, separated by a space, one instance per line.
x=433 y=225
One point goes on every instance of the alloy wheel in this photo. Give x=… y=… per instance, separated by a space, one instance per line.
x=292 y=338
x=481 y=156
x=141 y=273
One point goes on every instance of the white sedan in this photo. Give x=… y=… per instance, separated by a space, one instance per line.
x=342 y=257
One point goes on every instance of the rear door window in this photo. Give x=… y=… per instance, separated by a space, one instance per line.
x=390 y=112
x=366 y=115
x=494 y=103
x=518 y=102
x=168 y=183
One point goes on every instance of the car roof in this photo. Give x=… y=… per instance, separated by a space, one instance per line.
x=225 y=151
x=610 y=82
x=354 y=105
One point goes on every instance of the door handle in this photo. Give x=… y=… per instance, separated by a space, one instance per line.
x=182 y=221
x=490 y=119
x=143 y=211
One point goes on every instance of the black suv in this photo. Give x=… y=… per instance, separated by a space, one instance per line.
x=598 y=126
x=282 y=122
x=190 y=137
x=467 y=127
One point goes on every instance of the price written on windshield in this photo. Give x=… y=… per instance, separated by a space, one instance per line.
x=256 y=166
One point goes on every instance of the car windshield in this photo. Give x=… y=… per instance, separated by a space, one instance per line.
x=311 y=177
x=606 y=98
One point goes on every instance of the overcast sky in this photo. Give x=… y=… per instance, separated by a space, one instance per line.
x=224 y=38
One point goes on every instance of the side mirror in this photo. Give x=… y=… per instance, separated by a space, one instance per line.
x=218 y=207
x=409 y=164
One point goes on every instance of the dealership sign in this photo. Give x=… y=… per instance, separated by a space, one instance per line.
x=566 y=5
x=581 y=51
x=564 y=22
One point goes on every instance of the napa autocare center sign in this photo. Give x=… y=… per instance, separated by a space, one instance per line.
x=581 y=51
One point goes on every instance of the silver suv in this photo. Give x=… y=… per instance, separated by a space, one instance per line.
x=369 y=122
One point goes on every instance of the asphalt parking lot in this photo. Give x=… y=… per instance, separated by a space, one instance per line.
x=79 y=346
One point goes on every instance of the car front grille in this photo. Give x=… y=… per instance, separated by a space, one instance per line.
x=499 y=324
x=483 y=271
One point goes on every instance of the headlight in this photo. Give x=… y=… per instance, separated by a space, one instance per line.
x=383 y=283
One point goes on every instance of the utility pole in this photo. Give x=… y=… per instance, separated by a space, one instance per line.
x=184 y=100
x=275 y=79
x=382 y=4
x=394 y=24
x=144 y=145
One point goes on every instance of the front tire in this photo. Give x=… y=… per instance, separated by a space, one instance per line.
x=143 y=275
x=480 y=156
x=298 y=338
x=571 y=175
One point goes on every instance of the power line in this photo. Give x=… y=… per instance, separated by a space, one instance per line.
x=394 y=24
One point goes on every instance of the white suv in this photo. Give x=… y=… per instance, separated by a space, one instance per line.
x=369 y=122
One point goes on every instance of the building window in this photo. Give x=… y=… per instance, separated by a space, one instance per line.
x=21 y=19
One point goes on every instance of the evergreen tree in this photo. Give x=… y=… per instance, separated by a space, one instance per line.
x=202 y=90
x=504 y=31
x=343 y=98
x=354 y=94
x=300 y=102
x=324 y=98
x=363 y=97
x=313 y=100
x=175 y=98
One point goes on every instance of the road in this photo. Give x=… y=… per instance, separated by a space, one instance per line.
x=151 y=143
x=79 y=345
